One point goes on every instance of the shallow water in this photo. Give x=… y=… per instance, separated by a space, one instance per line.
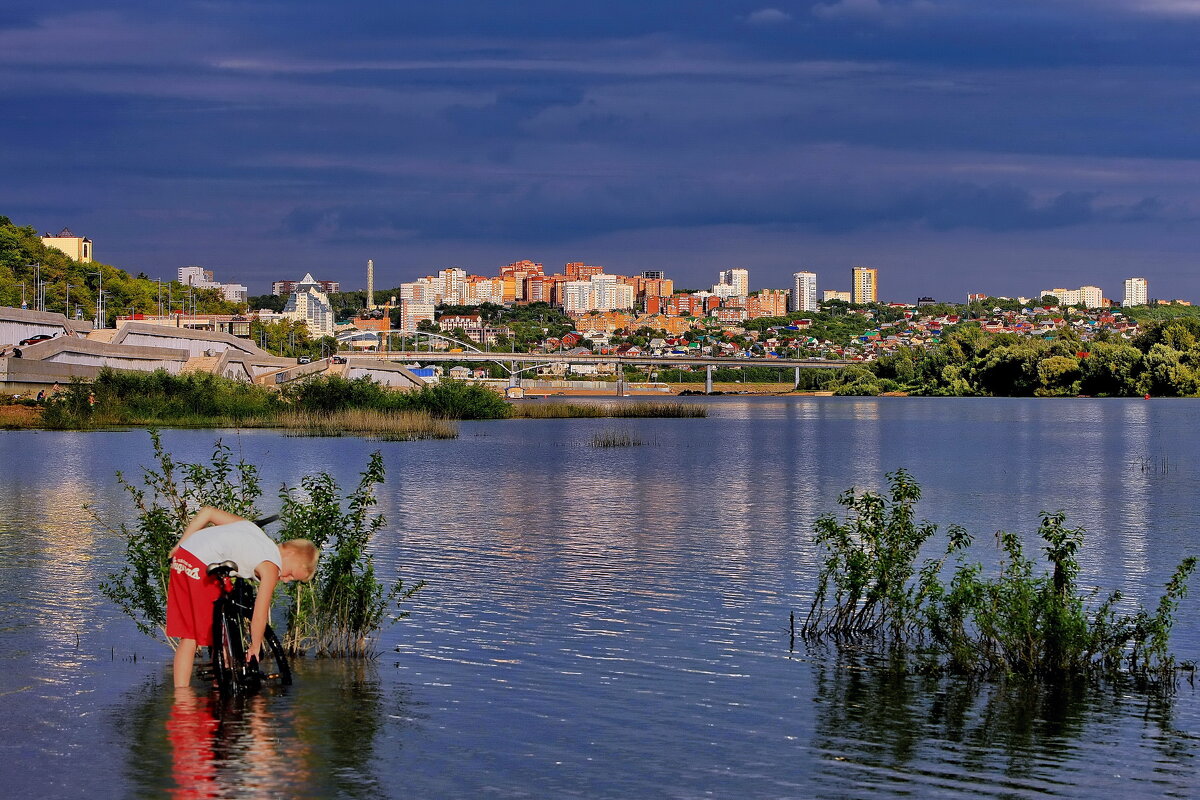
x=610 y=622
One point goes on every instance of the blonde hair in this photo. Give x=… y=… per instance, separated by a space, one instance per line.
x=305 y=551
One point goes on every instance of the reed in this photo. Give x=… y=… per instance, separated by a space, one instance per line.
x=615 y=439
x=389 y=425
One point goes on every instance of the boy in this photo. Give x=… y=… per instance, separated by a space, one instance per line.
x=191 y=593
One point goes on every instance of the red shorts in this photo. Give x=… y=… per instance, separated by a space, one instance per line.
x=191 y=594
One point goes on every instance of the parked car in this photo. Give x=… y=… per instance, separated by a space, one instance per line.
x=41 y=337
x=304 y=360
x=338 y=360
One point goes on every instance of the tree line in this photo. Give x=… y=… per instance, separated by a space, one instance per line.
x=1163 y=360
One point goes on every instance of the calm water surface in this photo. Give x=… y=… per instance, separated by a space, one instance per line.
x=610 y=622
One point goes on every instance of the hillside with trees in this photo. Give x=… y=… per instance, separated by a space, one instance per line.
x=66 y=280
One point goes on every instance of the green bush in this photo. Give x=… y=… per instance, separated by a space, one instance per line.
x=1019 y=622
x=457 y=400
x=336 y=614
x=166 y=498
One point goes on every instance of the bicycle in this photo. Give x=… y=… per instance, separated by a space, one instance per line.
x=231 y=672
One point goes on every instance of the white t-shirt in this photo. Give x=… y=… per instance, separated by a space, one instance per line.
x=243 y=543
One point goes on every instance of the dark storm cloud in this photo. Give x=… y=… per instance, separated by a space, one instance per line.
x=542 y=212
x=241 y=128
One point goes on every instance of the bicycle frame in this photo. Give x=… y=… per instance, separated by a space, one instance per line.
x=231 y=617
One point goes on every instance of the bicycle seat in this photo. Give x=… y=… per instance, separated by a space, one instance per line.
x=222 y=568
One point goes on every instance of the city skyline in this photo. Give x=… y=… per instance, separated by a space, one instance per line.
x=954 y=148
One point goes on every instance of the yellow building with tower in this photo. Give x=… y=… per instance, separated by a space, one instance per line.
x=77 y=247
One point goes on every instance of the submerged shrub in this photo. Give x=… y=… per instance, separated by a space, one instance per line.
x=953 y=618
x=165 y=499
x=335 y=614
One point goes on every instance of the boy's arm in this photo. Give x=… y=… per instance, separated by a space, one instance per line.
x=268 y=576
x=204 y=517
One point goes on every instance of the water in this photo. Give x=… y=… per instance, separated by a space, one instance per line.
x=610 y=622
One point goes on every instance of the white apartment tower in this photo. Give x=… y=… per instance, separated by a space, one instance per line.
x=804 y=292
x=309 y=304
x=598 y=293
x=1135 y=292
x=739 y=279
x=1086 y=296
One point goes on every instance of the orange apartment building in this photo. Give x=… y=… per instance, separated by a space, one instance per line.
x=767 y=303
x=578 y=271
x=680 y=304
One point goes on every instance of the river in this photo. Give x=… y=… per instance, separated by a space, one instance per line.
x=610 y=622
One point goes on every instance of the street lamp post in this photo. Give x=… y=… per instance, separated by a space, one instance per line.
x=67 y=303
x=100 y=321
x=39 y=294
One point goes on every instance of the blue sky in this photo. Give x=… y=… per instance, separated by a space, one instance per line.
x=957 y=146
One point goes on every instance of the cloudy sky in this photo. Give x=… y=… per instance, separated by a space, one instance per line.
x=957 y=145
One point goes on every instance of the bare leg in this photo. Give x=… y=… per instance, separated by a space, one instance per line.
x=185 y=654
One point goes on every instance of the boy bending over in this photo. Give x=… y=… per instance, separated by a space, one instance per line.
x=213 y=536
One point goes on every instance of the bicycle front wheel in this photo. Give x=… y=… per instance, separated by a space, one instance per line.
x=228 y=652
x=272 y=662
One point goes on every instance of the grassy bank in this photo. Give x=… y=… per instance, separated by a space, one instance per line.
x=321 y=406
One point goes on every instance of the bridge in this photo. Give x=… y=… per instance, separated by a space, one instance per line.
x=516 y=363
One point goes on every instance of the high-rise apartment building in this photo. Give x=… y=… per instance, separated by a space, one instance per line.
x=598 y=293
x=738 y=279
x=654 y=275
x=804 y=291
x=514 y=276
x=1136 y=292
x=309 y=304
x=579 y=271
x=767 y=303
x=199 y=277
x=1086 y=296
x=414 y=312
x=864 y=285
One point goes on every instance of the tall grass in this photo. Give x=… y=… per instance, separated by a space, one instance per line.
x=950 y=617
x=615 y=439
x=608 y=410
x=395 y=426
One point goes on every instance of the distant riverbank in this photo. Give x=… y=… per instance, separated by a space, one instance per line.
x=319 y=406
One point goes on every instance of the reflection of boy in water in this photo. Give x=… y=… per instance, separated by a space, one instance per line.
x=213 y=536
x=191 y=730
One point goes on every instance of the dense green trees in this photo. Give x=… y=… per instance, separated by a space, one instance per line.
x=1163 y=361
